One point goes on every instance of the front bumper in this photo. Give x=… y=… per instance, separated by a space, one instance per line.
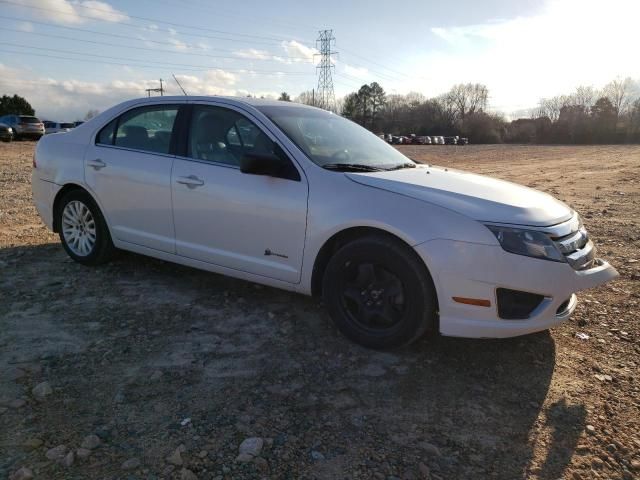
x=470 y=270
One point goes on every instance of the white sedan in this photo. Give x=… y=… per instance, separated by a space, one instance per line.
x=301 y=199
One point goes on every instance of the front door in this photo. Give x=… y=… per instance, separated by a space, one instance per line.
x=250 y=223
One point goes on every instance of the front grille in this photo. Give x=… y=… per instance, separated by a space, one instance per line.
x=577 y=248
x=515 y=304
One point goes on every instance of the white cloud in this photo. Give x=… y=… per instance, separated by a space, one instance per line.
x=299 y=52
x=569 y=43
x=69 y=99
x=359 y=72
x=73 y=12
x=172 y=31
x=253 y=54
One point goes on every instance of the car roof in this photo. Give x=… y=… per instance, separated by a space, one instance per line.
x=251 y=101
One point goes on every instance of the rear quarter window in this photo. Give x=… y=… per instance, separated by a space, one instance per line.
x=106 y=135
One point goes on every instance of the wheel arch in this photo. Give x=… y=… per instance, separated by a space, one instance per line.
x=338 y=239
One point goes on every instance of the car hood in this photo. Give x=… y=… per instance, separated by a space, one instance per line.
x=476 y=196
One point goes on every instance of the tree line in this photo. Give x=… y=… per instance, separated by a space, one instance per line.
x=610 y=115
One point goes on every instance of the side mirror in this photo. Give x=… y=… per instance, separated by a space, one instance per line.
x=269 y=165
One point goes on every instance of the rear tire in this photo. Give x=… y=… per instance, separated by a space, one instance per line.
x=379 y=293
x=83 y=231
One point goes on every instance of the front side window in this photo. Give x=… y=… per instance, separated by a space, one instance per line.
x=144 y=128
x=224 y=136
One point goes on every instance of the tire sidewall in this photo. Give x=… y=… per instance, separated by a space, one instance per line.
x=103 y=239
x=420 y=300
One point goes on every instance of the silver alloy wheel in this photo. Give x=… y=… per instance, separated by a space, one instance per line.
x=78 y=228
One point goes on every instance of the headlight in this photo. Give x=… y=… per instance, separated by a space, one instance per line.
x=530 y=243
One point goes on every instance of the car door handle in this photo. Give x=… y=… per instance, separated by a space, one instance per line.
x=191 y=181
x=97 y=164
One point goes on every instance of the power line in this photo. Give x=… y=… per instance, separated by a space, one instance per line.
x=191 y=27
x=326 y=96
x=228 y=13
x=142 y=65
x=155 y=50
x=126 y=37
x=375 y=63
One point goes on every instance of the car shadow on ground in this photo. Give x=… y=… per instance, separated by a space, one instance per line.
x=152 y=343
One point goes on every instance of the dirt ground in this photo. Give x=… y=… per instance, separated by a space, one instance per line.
x=160 y=371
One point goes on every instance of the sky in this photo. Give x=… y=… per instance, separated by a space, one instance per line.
x=70 y=56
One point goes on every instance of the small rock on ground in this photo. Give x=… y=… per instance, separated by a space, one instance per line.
x=186 y=474
x=83 y=453
x=176 y=456
x=90 y=442
x=56 y=453
x=32 y=443
x=130 y=464
x=23 y=473
x=42 y=390
x=251 y=446
x=68 y=459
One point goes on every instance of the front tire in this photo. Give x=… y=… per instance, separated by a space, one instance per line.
x=83 y=230
x=379 y=293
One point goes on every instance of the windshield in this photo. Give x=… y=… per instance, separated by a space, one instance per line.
x=330 y=139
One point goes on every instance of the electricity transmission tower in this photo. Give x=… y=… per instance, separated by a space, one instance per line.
x=325 y=96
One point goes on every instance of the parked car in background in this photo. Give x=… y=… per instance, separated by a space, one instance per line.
x=56 y=127
x=394 y=248
x=6 y=132
x=463 y=141
x=450 y=140
x=24 y=126
x=425 y=141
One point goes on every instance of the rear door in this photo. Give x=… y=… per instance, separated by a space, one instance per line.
x=129 y=169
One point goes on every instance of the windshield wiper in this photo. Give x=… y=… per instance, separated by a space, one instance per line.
x=403 y=165
x=355 y=167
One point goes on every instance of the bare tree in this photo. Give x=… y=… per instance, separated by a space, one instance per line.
x=551 y=107
x=306 y=98
x=584 y=96
x=618 y=91
x=469 y=98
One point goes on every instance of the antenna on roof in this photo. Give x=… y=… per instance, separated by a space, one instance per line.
x=174 y=77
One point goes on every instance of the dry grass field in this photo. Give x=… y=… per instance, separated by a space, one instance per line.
x=167 y=370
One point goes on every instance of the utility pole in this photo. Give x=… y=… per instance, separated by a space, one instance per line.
x=161 y=90
x=326 y=96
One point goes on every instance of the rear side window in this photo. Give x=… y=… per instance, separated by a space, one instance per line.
x=67 y=125
x=144 y=128
x=147 y=128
